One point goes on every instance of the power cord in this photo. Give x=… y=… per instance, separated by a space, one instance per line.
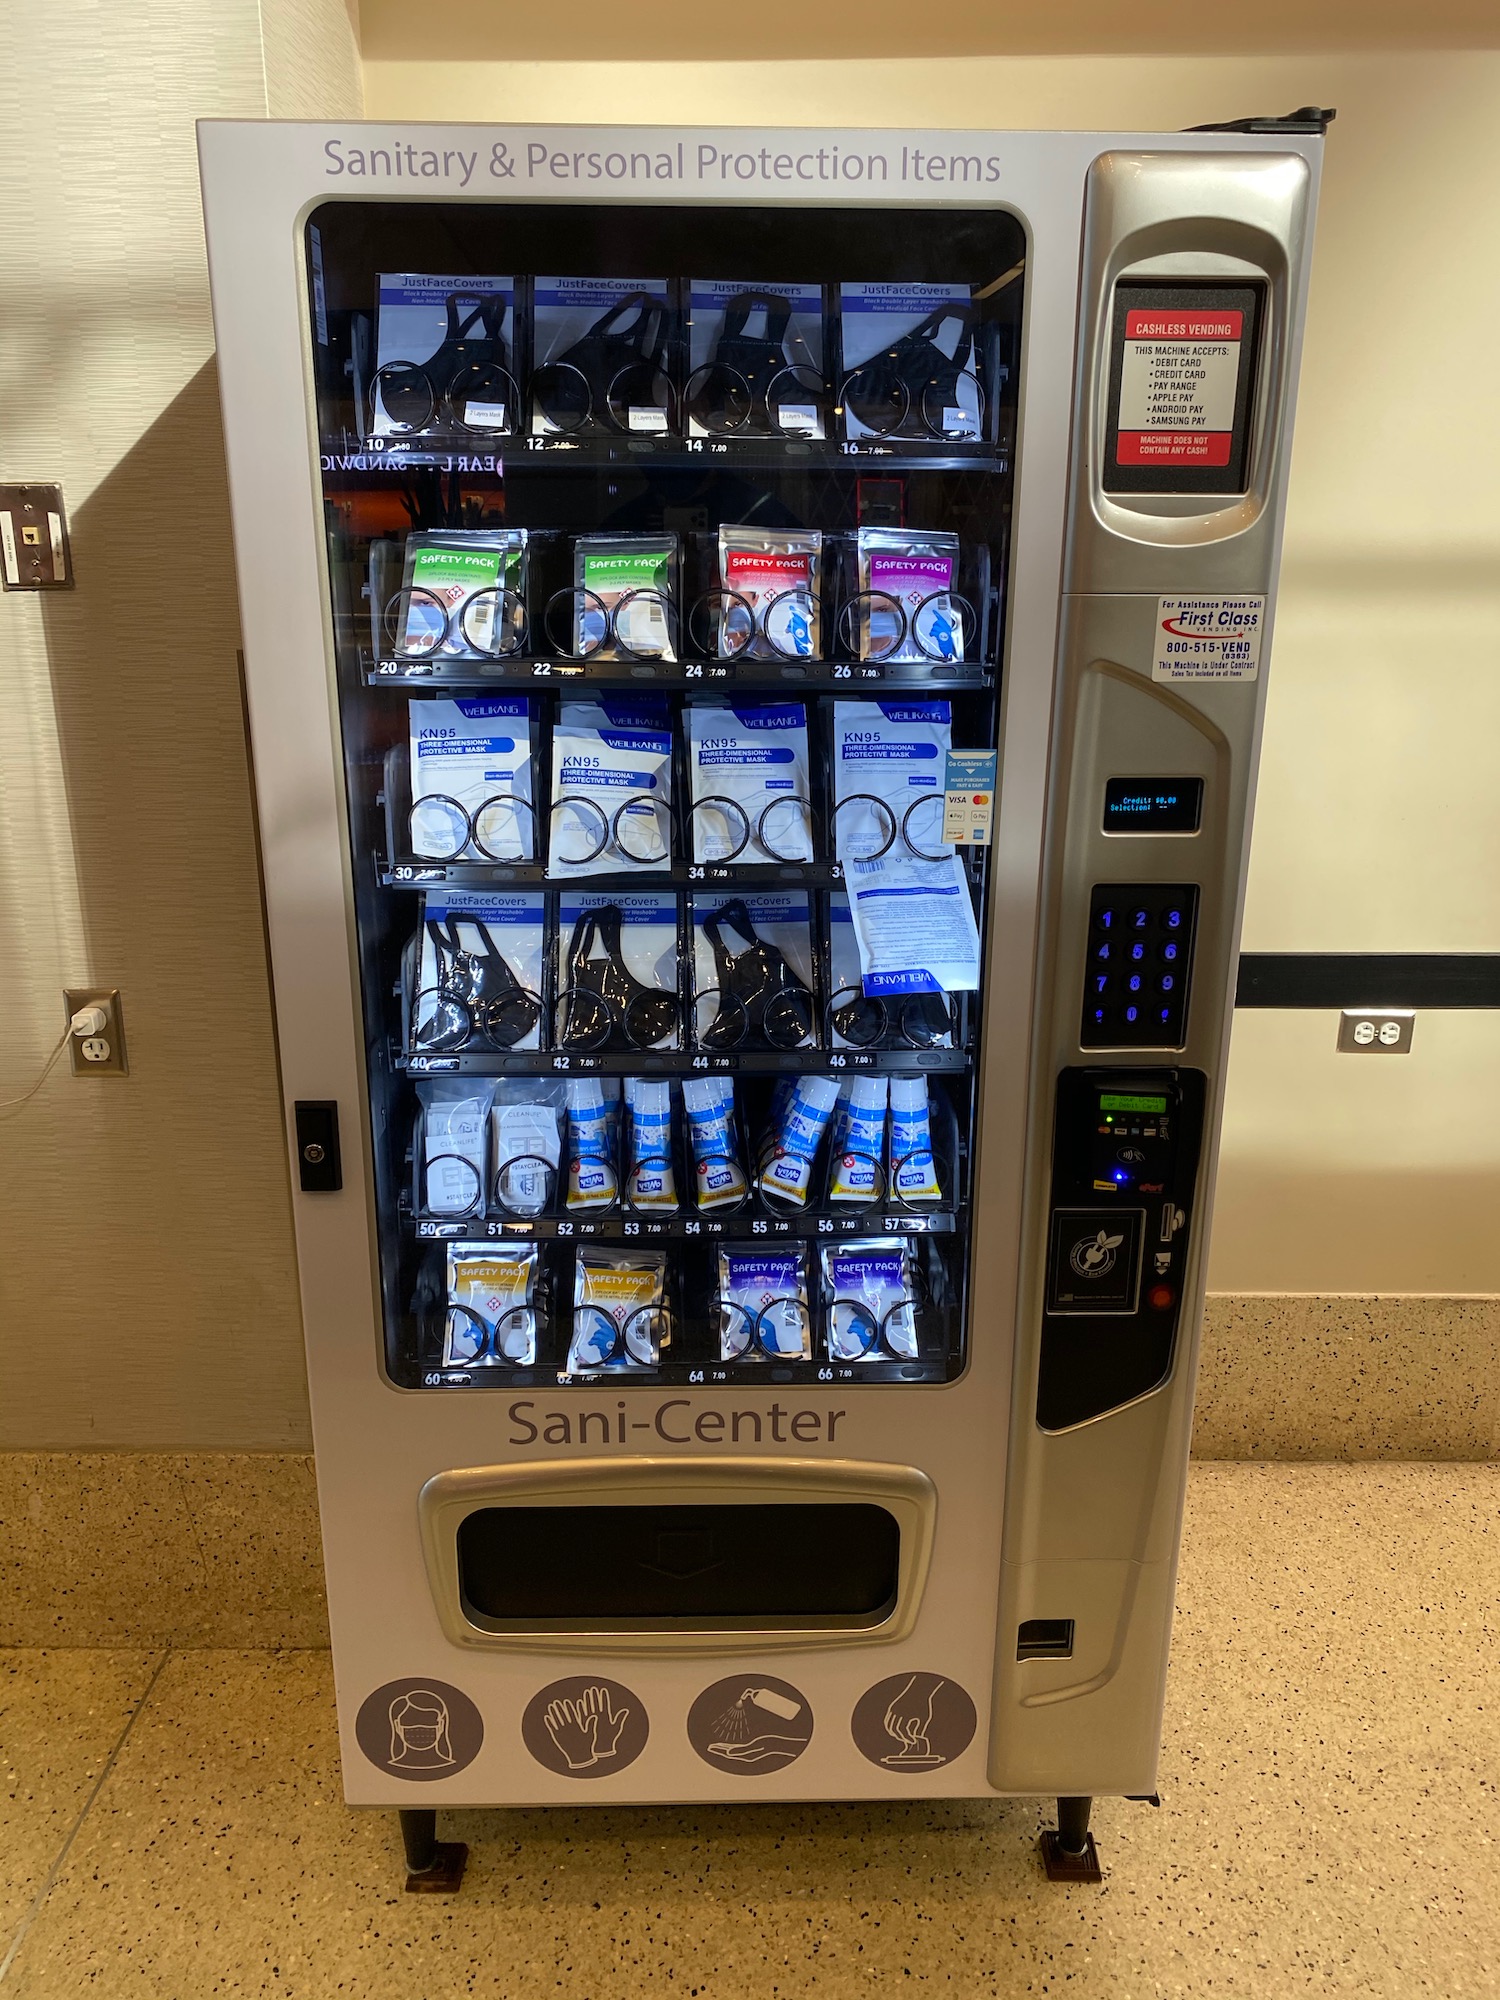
x=87 y=1021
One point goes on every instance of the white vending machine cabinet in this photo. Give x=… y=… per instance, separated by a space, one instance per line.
x=755 y=645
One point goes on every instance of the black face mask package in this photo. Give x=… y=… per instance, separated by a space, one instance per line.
x=752 y=972
x=755 y=360
x=443 y=351
x=601 y=350
x=473 y=974
x=909 y=363
x=617 y=973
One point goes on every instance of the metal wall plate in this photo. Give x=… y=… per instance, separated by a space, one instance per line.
x=34 y=552
x=1376 y=1031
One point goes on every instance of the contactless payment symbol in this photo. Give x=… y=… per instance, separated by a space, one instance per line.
x=420 y=1729
x=585 y=1727
x=750 y=1723
x=914 y=1722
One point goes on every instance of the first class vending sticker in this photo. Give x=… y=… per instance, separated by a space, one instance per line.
x=1180 y=389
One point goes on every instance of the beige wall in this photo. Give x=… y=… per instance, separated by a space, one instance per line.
x=147 y=1290
x=147 y=1286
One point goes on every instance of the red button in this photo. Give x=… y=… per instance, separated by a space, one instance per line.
x=1160 y=1296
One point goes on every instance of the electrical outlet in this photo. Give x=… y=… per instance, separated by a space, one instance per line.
x=1376 y=1031
x=102 y=1054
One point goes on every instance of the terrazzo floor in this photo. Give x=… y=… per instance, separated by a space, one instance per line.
x=171 y=1824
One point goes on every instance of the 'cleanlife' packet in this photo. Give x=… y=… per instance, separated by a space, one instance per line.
x=625 y=597
x=454 y=1111
x=525 y=1144
x=463 y=594
x=611 y=786
x=491 y=1317
x=471 y=779
x=751 y=796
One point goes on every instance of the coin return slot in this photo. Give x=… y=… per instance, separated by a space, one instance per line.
x=1044 y=1639
x=666 y=1567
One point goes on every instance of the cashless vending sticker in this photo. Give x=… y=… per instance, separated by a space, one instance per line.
x=1178 y=386
x=1207 y=638
x=969 y=797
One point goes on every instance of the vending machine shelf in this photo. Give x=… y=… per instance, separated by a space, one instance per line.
x=814 y=676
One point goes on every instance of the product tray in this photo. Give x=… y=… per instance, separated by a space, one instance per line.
x=754 y=876
x=677 y=1375
x=822 y=676
x=501 y=452
x=619 y=1228
x=684 y=1062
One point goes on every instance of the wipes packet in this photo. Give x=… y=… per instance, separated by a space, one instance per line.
x=625 y=597
x=618 y=1315
x=913 y=1175
x=454 y=1111
x=777 y=571
x=491 y=1317
x=463 y=595
x=857 y=1174
x=611 y=786
x=751 y=796
x=797 y=1129
x=650 y=1185
x=592 y=1180
x=718 y=1178
x=762 y=1303
x=869 y=1300
x=471 y=779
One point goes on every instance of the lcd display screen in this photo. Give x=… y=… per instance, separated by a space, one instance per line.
x=1153 y=805
x=1111 y=1100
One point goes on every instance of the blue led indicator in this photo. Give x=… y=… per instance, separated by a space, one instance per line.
x=1167 y=982
x=1137 y=951
x=1131 y=1013
x=1134 y=982
x=1173 y=919
x=1169 y=952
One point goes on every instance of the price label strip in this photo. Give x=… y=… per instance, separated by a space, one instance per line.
x=969 y=797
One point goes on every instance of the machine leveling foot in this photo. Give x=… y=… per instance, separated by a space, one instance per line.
x=433 y=1867
x=1069 y=1854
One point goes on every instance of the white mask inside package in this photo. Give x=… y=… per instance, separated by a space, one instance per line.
x=611 y=786
x=749 y=767
x=471 y=779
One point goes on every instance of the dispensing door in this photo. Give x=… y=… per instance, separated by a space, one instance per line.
x=1192 y=297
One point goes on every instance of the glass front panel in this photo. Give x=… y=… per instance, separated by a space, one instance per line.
x=668 y=555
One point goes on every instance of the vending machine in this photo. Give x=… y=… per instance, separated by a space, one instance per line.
x=755 y=645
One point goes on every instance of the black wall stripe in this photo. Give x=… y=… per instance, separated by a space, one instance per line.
x=1369 y=979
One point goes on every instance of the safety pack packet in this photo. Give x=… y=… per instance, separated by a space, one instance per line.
x=455 y=1113
x=772 y=584
x=491 y=1317
x=611 y=786
x=419 y=314
x=749 y=766
x=525 y=1144
x=463 y=595
x=908 y=894
x=473 y=972
x=888 y=335
x=755 y=359
x=471 y=793
x=762 y=1303
x=618 y=1315
x=869 y=1300
x=905 y=603
x=625 y=597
